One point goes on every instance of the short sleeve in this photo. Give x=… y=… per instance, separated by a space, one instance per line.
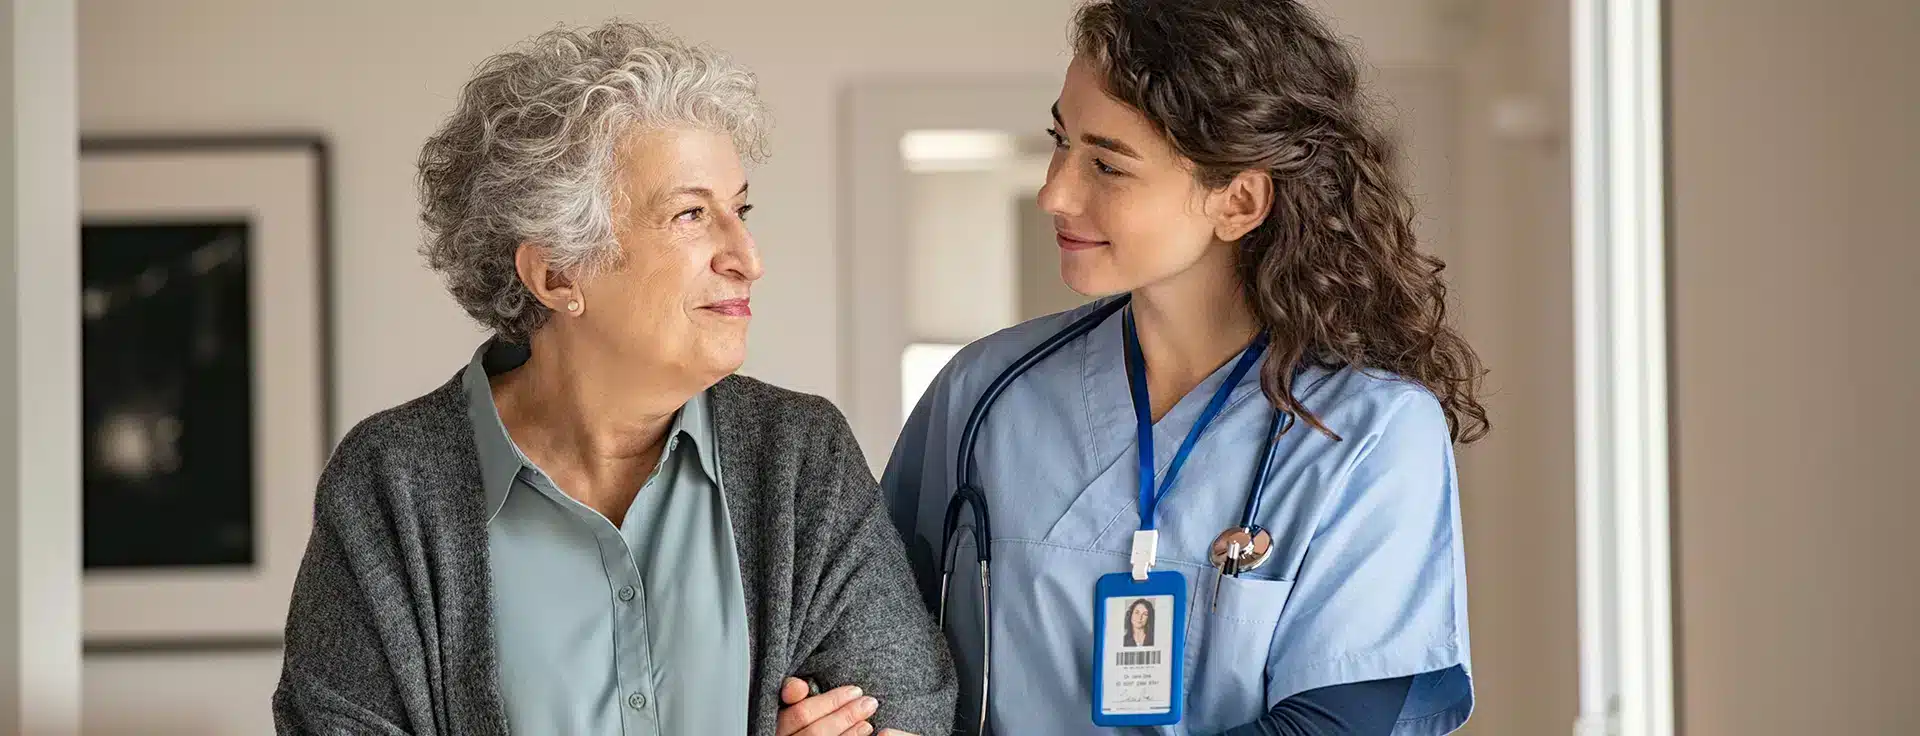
x=1380 y=592
x=912 y=484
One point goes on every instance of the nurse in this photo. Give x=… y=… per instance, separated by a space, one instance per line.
x=1215 y=168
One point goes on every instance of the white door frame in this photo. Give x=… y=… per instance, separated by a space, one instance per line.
x=874 y=228
x=39 y=371
x=1621 y=364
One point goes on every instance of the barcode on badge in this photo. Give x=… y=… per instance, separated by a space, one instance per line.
x=1136 y=659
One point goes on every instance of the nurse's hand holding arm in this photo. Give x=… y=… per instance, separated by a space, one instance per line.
x=837 y=712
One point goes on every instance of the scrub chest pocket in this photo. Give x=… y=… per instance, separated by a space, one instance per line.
x=1226 y=644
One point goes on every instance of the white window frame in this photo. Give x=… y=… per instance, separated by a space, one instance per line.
x=40 y=476
x=1621 y=339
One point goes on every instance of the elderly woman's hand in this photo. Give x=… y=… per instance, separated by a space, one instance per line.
x=838 y=712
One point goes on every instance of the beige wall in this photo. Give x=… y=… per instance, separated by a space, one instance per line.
x=961 y=253
x=1511 y=269
x=1041 y=292
x=377 y=76
x=1796 y=196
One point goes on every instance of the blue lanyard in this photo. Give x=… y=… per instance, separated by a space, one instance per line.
x=1143 y=413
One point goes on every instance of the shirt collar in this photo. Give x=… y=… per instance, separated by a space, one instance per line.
x=501 y=460
x=695 y=423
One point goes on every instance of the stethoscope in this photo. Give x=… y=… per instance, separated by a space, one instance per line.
x=1236 y=550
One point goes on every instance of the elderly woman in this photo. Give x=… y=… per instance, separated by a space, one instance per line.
x=593 y=527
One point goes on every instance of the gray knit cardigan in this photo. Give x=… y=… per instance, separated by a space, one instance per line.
x=390 y=630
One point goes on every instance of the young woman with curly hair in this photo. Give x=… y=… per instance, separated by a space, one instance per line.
x=1221 y=186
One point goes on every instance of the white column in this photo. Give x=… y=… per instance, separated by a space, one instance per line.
x=1621 y=338
x=39 y=372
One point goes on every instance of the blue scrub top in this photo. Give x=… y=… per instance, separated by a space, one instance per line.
x=1366 y=578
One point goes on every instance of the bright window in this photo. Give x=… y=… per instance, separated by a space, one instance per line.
x=919 y=364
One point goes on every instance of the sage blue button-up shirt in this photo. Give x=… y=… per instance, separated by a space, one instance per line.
x=632 y=629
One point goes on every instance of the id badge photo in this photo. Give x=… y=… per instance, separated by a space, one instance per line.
x=1140 y=632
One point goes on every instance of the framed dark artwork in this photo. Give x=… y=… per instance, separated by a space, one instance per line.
x=205 y=386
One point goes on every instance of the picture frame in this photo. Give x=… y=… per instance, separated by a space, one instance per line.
x=206 y=388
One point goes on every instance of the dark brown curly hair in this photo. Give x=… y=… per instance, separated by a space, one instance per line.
x=1333 y=274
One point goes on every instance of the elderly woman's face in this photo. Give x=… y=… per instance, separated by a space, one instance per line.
x=680 y=298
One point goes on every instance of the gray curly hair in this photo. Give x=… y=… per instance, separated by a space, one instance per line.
x=529 y=155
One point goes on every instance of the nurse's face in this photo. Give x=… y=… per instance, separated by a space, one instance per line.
x=1127 y=211
x=1140 y=614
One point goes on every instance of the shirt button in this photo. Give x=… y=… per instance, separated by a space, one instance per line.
x=638 y=701
x=626 y=593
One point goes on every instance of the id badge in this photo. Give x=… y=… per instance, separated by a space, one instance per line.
x=1140 y=636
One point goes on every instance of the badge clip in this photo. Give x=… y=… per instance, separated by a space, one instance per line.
x=1146 y=549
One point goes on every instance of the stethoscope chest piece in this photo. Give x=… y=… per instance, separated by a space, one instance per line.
x=1240 y=549
x=1235 y=551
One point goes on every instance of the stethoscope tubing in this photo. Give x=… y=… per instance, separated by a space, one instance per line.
x=969 y=497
